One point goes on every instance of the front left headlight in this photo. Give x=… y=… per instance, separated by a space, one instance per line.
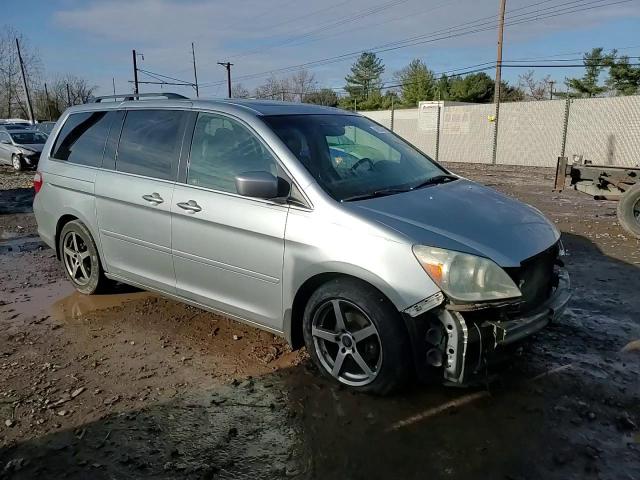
x=464 y=277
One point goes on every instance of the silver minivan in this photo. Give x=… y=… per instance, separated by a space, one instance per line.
x=313 y=223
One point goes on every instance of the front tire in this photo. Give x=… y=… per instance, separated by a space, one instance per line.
x=629 y=211
x=356 y=337
x=16 y=162
x=80 y=259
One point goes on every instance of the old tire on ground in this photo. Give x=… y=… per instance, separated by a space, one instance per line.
x=16 y=162
x=629 y=211
x=80 y=260
x=356 y=337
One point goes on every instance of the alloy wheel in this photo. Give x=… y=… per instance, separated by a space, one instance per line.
x=16 y=162
x=347 y=342
x=77 y=258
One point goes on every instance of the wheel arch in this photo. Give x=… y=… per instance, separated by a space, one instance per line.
x=294 y=315
x=70 y=217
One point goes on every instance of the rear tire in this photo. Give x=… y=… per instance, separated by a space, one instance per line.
x=629 y=211
x=16 y=162
x=356 y=337
x=80 y=260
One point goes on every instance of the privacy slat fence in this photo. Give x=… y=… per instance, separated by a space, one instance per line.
x=603 y=130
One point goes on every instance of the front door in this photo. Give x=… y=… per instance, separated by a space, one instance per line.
x=133 y=201
x=228 y=249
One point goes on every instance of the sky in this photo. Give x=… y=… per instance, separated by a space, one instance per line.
x=93 y=39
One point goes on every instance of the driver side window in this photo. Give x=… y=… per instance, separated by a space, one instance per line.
x=223 y=148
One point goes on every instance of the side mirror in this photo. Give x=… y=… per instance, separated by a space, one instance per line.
x=6 y=142
x=257 y=185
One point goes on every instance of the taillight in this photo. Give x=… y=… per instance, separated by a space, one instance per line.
x=37 y=181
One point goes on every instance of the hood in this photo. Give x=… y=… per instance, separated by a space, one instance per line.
x=35 y=147
x=466 y=217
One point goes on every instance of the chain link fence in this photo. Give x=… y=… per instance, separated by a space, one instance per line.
x=605 y=131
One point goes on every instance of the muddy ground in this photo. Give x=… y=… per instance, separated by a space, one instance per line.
x=131 y=385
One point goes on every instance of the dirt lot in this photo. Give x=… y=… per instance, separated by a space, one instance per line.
x=130 y=385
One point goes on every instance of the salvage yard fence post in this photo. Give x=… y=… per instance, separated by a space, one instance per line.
x=392 y=113
x=438 y=122
x=565 y=126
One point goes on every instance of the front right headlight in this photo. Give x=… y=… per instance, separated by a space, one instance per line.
x=464 y=277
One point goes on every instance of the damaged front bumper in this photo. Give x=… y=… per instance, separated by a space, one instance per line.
x=457 y=344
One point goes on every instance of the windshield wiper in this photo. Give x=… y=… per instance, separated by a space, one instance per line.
x=377 y=193
x=438 y=179
x=391 y=191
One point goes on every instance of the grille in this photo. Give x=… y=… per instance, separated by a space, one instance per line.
x=535 y=278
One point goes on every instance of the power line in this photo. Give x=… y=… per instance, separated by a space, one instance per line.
x=385 y=6
x=451 y=32
x=421 y=12
x=328 y=25
x=315 y=12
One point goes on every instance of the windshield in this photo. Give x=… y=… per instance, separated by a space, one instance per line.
x=28 y=137
x=352 y=156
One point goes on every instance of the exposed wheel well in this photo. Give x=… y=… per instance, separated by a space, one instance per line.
x=302 y=297
x=62 y=221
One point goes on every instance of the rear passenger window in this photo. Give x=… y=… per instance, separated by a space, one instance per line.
x=82 y=138
x=223 y=148
x=150 y=143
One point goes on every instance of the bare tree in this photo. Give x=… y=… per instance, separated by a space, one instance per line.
x=303 y=82
x=276 y=89
x=12 y=95
x=238 y=91
x=534 y=89
x=79 y=92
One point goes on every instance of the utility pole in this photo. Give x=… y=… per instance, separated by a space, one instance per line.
x=113 y=81
x=68 y=96
x=24 y=84
x=496 y=91
x=195 y=72
x=551 y=82
x=228 y=66
x=135 y=72
x=46 y=96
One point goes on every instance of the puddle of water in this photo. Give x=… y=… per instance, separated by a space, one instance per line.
x=30 y=302
x=77 y=305
x=62 y=302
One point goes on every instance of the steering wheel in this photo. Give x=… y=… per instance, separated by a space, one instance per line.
x=362 y=161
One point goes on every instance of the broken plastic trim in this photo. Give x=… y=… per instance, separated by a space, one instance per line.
x=425 y=305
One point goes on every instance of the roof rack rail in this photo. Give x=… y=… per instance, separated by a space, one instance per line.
x=134 y=96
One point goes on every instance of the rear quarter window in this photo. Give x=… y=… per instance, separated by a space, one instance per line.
x=150 y=143
x=82 y=138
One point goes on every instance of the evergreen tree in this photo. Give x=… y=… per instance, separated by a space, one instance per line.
x=442 y=88
x=418 y=83
x=474 y=88
x=624 y=79
x=589 y=84
x=365 y=77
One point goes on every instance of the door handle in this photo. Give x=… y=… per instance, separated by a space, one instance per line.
x=191 y=206
x=154 y=198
